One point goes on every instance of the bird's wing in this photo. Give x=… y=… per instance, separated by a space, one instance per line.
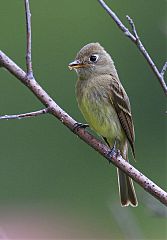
x=121 y=103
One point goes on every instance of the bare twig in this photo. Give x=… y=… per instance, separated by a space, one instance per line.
x=25 y=115
x=59 y=113
x=135 y=39
x=164 y=69
x=133 y=28
x=28 y=29
x=117 y=20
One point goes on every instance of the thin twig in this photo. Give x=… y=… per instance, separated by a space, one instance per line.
x=28 y=34
x=117 y=20
x=25 y=115
x=135 y=39
x=133 y=28
x=164 y=69
x=69 y=122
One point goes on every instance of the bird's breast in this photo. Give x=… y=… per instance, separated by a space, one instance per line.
x=98 y=110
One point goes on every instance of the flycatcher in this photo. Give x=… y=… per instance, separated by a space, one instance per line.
x=106 y=107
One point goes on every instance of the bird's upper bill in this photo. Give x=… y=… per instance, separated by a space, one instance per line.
x=76 y=64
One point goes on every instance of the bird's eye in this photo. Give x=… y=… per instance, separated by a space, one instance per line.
x=94 y=58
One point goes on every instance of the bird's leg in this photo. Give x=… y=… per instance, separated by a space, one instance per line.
x=78 y=125
x=113 y=152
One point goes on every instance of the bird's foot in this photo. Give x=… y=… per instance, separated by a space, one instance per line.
x=78 y=125
x=114 y=152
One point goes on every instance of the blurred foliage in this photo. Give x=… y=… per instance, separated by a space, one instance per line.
x=42 y=162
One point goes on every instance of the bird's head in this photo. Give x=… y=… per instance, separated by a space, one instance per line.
x=92 y=60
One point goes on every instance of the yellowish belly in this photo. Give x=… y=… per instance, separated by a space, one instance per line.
x=101 y=117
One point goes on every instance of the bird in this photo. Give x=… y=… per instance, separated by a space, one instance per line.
x=106 y=108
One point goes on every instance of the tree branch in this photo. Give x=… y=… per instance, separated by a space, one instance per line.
x=135 y=39
x=25 y=115
x=28 y=34
x=133 y=29
x=164 y=69
x=69 y=122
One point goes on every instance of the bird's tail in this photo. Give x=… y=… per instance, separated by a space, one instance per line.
x=126 y=190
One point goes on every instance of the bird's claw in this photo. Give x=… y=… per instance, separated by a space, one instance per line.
x=114 y=152
x=78 y=125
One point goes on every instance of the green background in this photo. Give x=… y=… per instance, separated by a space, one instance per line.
x=51 y=179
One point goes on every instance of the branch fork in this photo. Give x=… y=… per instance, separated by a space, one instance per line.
x=135 y=39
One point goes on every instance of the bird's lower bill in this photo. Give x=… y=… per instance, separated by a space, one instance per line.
x=71 y=67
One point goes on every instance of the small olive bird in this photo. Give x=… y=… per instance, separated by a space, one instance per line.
x=106 y=107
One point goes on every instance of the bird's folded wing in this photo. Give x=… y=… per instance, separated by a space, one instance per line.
x=121 y=103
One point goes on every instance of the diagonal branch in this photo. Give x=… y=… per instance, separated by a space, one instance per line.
x=135 y=39
x=69 y=122
x=25 y=115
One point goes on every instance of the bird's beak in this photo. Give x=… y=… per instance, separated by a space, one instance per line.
x=75 y=64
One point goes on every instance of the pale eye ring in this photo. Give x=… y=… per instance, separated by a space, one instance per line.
x=93 y=58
